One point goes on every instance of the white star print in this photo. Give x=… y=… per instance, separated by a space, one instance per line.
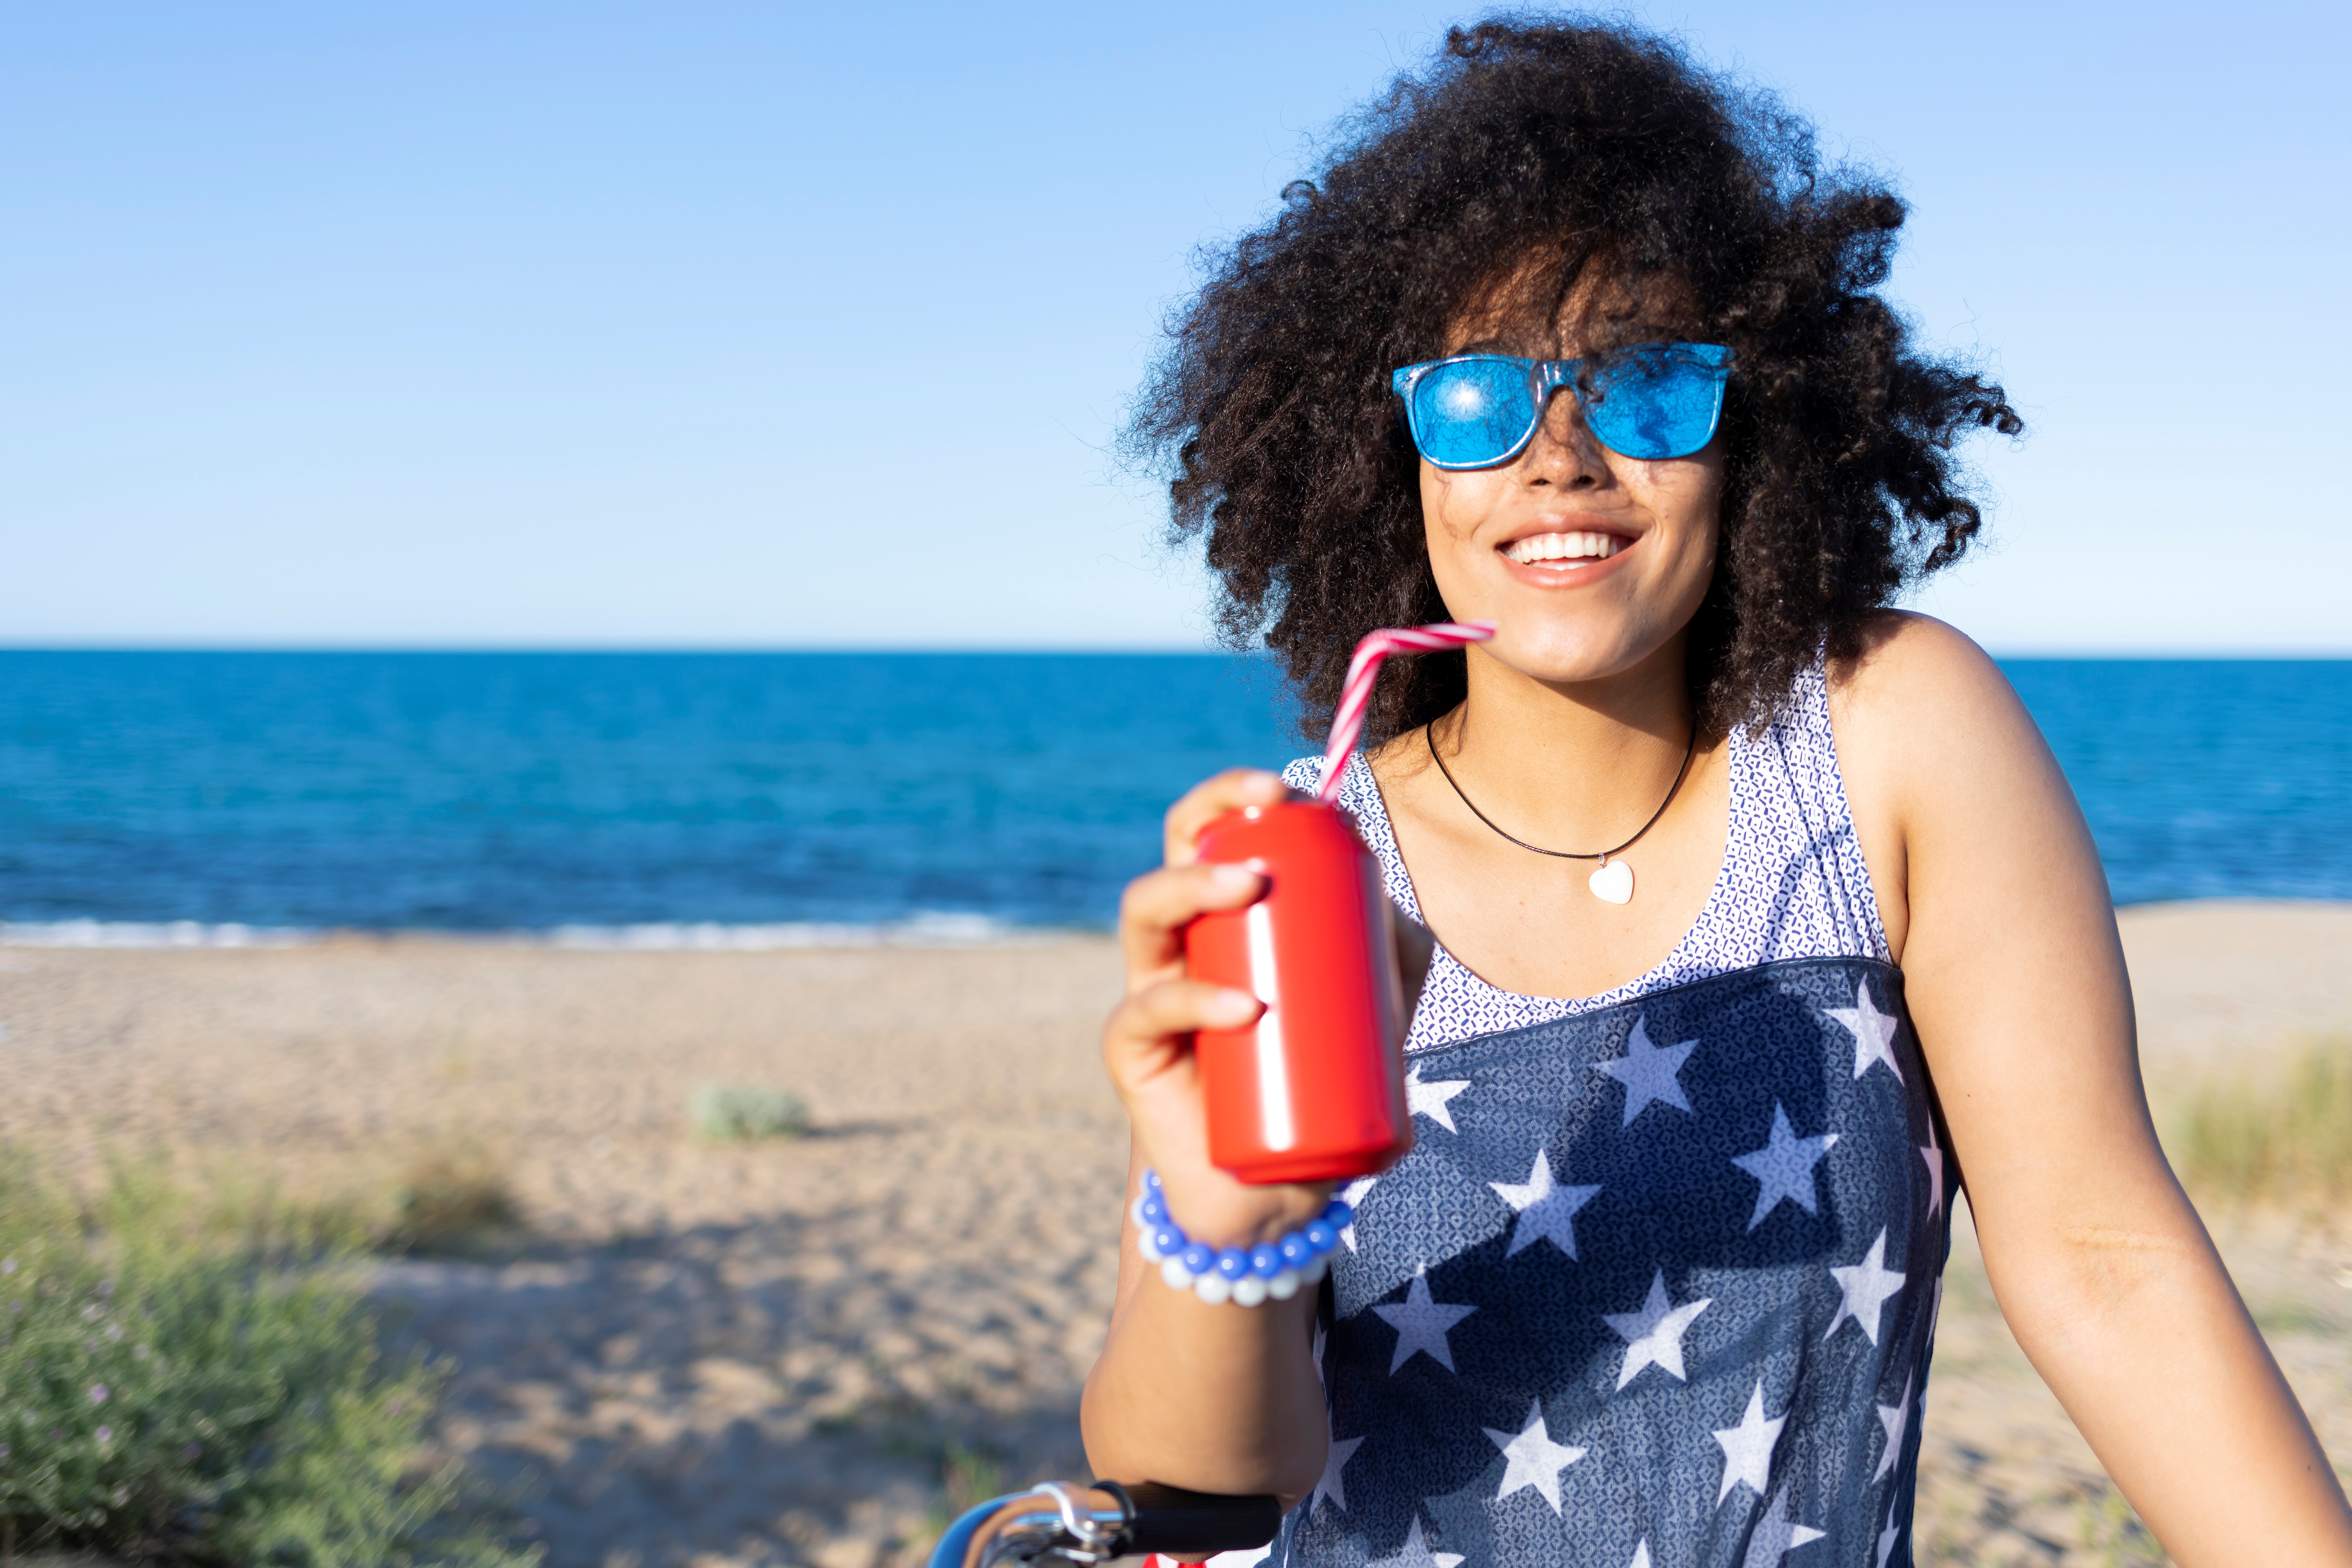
x=1421 y=1325
x=1654 y=1336
x=1866 y=1286
x=1893 y=1418
x=1352 y=1194
x=1748 y=1448
x=1533 y=1458
x=1547 y=1212
x=1415 y=1553
x=1887 y=1539
x=1873 y=1032
x=1332 y=1484
x=1649 y=1073
x=1934 y=1155
x=1432 y=1099
x=1775 y=1536
x=1785 y=1167
x=1641 y=1556
x=1319 y=1338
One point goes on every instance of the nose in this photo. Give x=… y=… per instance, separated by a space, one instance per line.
x=1563 y=452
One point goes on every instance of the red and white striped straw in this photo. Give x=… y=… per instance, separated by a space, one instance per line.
x=1364 y=669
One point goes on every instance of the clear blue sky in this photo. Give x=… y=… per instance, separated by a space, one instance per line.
x=764 y=324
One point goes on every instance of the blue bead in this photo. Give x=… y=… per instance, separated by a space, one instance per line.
x=1154 y=1210
x=1150 y=1181
x=1233 y=1263
x=1338 y=1215
x=1321 y=1234
x=1200 y=1257
x=1266 y=1261
x=1297 y=1251
x=1172 y=1242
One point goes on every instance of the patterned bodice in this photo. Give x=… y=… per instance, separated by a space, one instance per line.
x=1792 y=883
x=1655 y=1286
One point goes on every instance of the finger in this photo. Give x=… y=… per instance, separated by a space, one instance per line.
x=1143 y=1026
x=1211 y=798
x=1157 y=905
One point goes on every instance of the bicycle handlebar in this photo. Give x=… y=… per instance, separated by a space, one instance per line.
x=1171 y=1519
x=1066 y=1524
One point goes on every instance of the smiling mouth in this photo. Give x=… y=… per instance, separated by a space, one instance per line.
x=1579 y=546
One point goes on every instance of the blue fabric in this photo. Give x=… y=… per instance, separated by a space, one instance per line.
x=1520 y=1289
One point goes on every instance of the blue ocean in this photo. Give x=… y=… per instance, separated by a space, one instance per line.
x=765 y=799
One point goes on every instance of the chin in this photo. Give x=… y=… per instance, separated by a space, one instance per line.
x=1566 y=655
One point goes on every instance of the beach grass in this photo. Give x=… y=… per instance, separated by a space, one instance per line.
x=442 y=1197
x=186 y=1383
x=450 y=1197
x=2284 y=1139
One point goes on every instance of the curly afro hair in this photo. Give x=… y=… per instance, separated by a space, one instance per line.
x=1536 y=160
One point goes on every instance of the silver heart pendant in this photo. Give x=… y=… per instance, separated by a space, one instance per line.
x=1611 y=882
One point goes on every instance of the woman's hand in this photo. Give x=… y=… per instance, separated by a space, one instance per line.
x=1148 y=1044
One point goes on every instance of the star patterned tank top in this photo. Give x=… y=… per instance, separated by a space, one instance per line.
x=1656 y=1286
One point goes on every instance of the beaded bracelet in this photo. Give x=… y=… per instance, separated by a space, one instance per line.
x=1245 y=1277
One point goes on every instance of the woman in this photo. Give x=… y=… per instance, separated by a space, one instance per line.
x=1753 y=912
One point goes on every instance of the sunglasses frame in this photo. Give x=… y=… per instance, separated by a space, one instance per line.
x=1547 y=377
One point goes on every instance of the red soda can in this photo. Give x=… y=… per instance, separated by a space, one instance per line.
x=1314 y=1089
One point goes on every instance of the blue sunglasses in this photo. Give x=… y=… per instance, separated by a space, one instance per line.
x=1651 y=400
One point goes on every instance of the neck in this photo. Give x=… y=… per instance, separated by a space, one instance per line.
x=1578 y=764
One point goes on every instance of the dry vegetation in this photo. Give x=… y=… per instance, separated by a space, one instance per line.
x=2282 y=1141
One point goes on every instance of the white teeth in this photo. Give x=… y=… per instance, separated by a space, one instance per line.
x=1564 y=547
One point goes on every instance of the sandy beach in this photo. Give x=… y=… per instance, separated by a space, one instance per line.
x=703 y=1355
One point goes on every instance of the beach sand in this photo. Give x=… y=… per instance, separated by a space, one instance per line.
x=793 y=1351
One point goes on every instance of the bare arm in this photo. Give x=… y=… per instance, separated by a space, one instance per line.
x=2000 y=915
x=1224 y=1398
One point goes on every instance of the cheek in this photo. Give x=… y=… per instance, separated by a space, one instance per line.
x=1684 y=493
x=1436 y=501
x=1454 y=504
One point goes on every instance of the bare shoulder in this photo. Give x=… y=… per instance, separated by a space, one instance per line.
x=1922 y=696
x=1936 y=749
x=1913 y=666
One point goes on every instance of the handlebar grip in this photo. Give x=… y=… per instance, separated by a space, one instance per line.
x=1171 y=1519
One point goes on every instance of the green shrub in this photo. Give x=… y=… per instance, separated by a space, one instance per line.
x=2285 y=1141
x=171 y=1391
x=733 y=1113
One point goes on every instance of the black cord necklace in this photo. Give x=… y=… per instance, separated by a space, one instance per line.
x=1610 y=880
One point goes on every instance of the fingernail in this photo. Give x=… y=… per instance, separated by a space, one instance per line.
x=1234 y=880
x=1266 y=786
x=1229 y=1009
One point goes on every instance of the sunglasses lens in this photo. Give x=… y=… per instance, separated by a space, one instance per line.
x=1660 y=400
x=1472 y=412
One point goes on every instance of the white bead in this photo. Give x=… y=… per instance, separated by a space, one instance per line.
x=1146 y=1246
x=1135 y=1213
x=1213 y=1288
x=1249 y=1290
x=1313 y=1273
x=1283 y=1286
x=1179 y=1278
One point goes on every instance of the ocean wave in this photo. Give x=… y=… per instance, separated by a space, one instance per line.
x=923 y=929
x=150 y=934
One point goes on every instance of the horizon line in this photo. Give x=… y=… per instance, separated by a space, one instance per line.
x=2121 y=652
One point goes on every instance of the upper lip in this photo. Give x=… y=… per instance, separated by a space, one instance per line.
x=1567 y=525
